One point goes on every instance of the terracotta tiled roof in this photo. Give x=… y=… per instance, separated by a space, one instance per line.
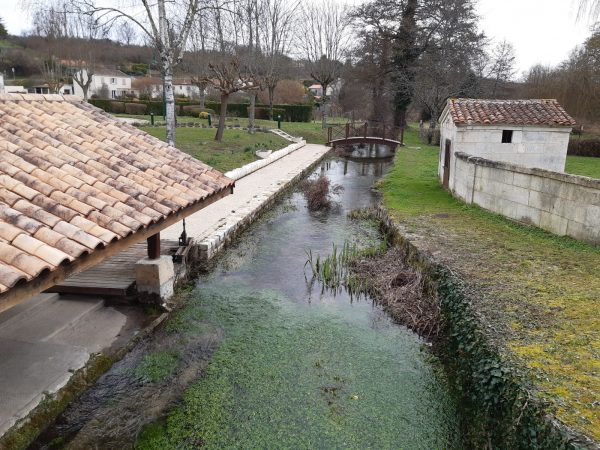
x=73 y=179
x=509 y=112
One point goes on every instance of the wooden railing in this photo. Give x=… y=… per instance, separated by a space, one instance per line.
x=365 y=130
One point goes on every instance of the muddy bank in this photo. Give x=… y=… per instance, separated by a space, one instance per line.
x=498 y=409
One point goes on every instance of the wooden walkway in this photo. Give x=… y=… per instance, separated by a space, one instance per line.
x=115 y=276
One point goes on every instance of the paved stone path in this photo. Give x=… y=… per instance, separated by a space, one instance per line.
x=213 y=225
x=42 y=341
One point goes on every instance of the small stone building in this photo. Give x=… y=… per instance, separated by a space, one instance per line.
x=527 y=133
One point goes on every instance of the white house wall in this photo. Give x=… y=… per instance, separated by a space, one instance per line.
x=533 y=147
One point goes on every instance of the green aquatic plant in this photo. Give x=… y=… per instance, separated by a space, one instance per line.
x=335 y=270
x=158 y=366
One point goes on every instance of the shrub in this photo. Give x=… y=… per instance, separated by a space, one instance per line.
x=318 y=192
x=101 y=103
x=290 y=113
x=136 y=108
x=117 y=107
x=262 y=112
x=586 y=147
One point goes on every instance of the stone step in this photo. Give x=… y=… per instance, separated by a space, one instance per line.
x=43 y=321
x=33 y=302
x=94 y=331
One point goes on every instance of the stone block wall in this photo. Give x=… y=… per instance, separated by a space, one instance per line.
x=557 y=202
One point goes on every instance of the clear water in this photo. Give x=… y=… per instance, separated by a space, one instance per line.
x=268 y=359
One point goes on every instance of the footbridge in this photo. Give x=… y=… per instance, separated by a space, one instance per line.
x=365 y=133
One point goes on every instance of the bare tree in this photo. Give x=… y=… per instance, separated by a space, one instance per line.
x=589 y=9
x=54 y=74
x=502 y=64
x=445 y=68
x=167 y=25
x=279 y=20
x=323 y=41
x=228 y=77
x=126 y=33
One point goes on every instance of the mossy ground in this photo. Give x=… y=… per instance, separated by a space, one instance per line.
x=539 y=293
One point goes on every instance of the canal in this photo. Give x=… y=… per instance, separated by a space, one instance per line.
x=261 y=356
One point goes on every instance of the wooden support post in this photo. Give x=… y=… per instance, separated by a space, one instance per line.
x=329 y=134
x=154 y=246
x=347 y=130
x=366 y=125
x=402 y=136
x=384 y=132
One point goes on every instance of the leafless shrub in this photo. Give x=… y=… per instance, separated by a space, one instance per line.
x=318 y=192
x=401 y=291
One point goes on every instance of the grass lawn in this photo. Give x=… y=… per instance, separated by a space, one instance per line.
x=236 y=149
x=583 y=165
x=539 y=293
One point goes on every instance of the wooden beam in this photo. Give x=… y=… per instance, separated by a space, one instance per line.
x=22 y=292
x=153 y=243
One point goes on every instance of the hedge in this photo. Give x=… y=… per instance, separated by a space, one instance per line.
x=290 y=113
x=262 y=112
x=586 y=147
x=136 y=108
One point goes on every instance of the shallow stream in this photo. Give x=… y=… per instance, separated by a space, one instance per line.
x=262 y=357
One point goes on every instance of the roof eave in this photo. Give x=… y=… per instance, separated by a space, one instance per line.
x=23 y=291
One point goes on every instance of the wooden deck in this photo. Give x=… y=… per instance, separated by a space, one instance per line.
x=115 y=276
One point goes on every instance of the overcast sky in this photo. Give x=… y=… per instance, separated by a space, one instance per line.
x=542 y=31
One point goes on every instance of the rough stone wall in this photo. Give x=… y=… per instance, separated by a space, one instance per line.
x=557 y=202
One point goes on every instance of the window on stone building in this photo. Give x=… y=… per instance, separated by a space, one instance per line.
x=507 y=136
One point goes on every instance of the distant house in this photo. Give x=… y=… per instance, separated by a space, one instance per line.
x=332 y=89
x=316 y=90
x=153 y=87
x=65 y=89
x=528 y=133
x=109 y=83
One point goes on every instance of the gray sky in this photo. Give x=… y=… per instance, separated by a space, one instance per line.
x=542 y=31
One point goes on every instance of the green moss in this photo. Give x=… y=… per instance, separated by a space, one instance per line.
x=287 y=376
x=158 y=366
x=534 y=289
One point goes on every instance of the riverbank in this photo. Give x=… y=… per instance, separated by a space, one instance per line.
x=533 y=294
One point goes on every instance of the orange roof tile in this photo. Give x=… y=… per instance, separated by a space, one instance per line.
x=466 y=111
x=73 y=179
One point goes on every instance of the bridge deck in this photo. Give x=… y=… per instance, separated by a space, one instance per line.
x=366 y=139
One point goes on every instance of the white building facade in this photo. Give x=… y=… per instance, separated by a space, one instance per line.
x=106 y=82
x=527 y=133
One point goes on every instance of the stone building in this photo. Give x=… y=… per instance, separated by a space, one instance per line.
x=527 y=133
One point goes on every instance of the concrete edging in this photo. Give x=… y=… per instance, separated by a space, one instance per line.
x=241 y=172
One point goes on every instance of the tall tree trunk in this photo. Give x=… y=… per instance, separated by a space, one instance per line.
x=404 y=60
x=324 y=106
x=202 y=96
x=271 y=90
x=251 y=111
x=221 y=127
x=169 y=104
